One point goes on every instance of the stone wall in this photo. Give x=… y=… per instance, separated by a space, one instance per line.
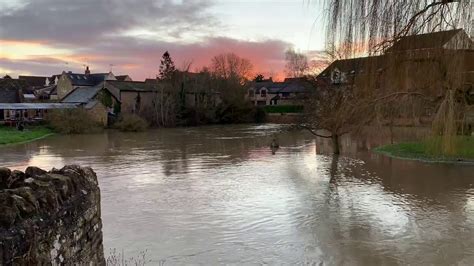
x=50 y=218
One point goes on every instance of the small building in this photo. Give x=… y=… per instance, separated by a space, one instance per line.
x=98 y=101
x=136 y=97
x=12 y=113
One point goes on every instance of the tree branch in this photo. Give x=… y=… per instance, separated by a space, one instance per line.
x=314 y=132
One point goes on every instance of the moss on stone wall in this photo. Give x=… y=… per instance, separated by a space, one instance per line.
x=50 y=217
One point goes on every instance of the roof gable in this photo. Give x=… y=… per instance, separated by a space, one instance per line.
x=82 y=94
x=36 y=81
x=11 y=90
x=424 y=41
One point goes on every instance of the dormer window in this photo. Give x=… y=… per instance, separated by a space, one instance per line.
x=336 y=76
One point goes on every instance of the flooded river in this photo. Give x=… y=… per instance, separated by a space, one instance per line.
x=217 y=195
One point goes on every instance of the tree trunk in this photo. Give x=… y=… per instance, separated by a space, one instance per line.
x=335 y=144
x=162 y=109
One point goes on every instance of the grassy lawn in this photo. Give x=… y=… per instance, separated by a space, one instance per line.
x=10 y=135
x=429 y=150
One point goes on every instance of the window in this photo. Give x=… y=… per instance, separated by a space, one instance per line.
x=285 y=94
x=336 y=76
x=263 y=93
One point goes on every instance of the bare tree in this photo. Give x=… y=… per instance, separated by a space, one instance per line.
x=230 y=66
x=371 y=27
x=296 y=63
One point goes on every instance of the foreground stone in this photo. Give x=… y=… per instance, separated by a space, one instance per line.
x=50 y=218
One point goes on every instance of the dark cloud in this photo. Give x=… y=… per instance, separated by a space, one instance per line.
x=140 y=58
x=38 y=66
x=93 y=30
x=125 y=53
x=79 y=22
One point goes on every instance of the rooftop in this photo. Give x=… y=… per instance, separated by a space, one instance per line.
x=424 y=41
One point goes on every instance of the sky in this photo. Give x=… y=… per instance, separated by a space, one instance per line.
x=46 y=37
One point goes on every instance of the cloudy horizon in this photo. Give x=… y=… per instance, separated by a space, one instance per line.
x=45 y=37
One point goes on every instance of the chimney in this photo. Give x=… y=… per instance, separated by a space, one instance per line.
x=88 y=72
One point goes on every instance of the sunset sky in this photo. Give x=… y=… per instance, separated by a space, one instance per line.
x=45 y=37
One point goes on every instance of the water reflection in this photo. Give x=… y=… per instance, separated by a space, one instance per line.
x=217 y=195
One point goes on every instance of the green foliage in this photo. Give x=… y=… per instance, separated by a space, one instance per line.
x=227 y=113
x=283 y=109
x=131 y=123
x=117 y=108
x=73 y=121
x=105 y=98
x=192 y=116
x=431 y=149
x=10 y=135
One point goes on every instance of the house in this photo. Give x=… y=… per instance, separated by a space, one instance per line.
x=136 y=97
x=43 y=88
x=422 y=62
x=69 y=81
x=292 y=91
x=411 y=49
x=456 y=39
x=15 y=105
x=98 y=101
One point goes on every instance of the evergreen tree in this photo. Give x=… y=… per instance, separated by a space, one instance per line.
x=167 y=67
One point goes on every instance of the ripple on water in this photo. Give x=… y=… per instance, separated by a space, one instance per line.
x=217 y=195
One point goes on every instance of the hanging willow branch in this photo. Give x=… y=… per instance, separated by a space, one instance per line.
x=371 y=26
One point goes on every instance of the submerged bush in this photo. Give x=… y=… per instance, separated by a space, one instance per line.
x=131 y=123
x=73 y=121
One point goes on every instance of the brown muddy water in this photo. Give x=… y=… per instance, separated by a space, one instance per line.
x=217 y=195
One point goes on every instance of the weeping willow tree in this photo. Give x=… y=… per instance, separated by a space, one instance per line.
x=434 y=79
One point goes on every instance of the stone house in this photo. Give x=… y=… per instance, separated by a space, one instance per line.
x=422 y=62
x=98 y=101
x=69 y=81
x=44 y=88
x=136 y=97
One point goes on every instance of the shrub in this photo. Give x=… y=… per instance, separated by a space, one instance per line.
x=260 y=115
x=131 y=123
x=283 y=109
x=73 y=121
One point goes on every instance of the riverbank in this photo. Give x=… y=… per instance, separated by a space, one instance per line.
x=10 y=135
x=428 y=150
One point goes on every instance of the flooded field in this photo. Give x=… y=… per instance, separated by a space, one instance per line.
x=218 y=195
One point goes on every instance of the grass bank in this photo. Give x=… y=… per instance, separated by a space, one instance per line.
x=10 y=135
x=429 y=150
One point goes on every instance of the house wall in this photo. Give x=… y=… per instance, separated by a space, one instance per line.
x=129 y=100
x=64 y=86
x=258 y=99
x=99 y=113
